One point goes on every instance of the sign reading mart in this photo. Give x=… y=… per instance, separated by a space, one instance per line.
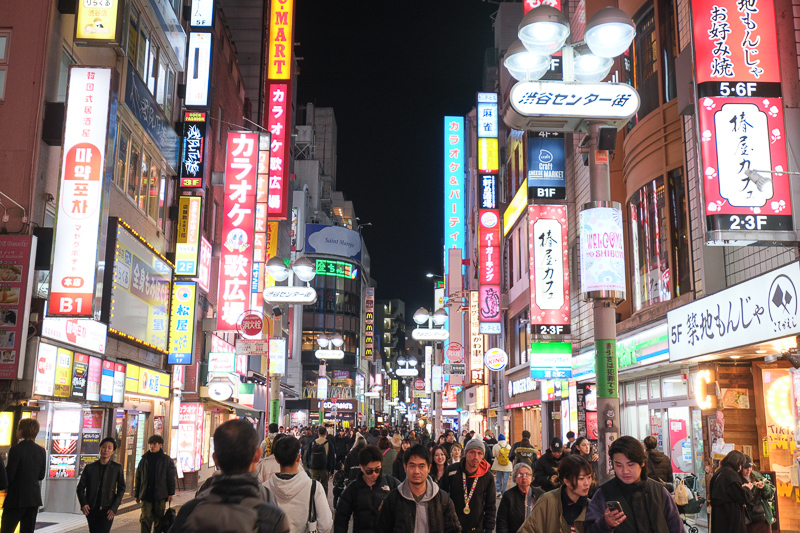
x=758 y=310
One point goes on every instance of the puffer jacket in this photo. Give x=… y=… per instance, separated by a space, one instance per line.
x=362 y=502
x=237 y=496
x=546 y=467
x=659 y=466
x=511 y=511
x=165 y=469
x=483 y=505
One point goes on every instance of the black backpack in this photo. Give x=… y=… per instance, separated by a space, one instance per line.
x=319 y=456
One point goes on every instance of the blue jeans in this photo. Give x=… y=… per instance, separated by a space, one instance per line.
x=501 y=480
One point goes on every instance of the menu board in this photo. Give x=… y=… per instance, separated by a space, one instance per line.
x=63 y=373
x=80 y=375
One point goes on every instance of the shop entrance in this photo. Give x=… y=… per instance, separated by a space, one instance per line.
x=131 y=435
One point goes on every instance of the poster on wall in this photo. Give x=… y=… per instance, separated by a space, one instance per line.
x=681 y=451
x=17 y=254
x=190 y=437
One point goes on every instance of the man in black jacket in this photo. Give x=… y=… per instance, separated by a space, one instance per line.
x=100 y=489
x=545 y=472
x=659 y=466
x=27 y=466
x=470 y=484
x=417 y=505
x=154 y=484
x=363 y=497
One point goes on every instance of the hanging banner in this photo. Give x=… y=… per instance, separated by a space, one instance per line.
x=453 y=185
x=187 y=244
x=602 y=251
x=181 y=323
x=548 y=253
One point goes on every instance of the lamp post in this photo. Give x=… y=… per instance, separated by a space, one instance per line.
x=544 y=31
x=437 y=318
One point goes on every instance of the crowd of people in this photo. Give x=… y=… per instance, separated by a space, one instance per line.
x=396 y=481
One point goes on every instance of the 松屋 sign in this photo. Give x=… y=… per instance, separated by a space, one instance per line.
x=740 y=112
x=236 y=257
x=453 y=185
x=80 y=196
x=549 y=269
x=602 y=251
x=181 y=323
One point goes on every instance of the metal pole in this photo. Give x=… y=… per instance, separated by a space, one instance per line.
x=436 y=401
x=605 y=328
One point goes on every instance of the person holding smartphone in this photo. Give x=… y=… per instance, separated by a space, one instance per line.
x=630 y=502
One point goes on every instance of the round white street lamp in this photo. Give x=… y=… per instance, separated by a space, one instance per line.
x=421 y=316
x=609 y=32
x=544 y=30
x=523 y=64
x=440 y=316
x=302 y=267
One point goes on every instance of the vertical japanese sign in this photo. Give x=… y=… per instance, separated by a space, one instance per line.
x=236 y=258
x=17 y=254
x=453 y=185
x=193 y=144
x=428 y=365
x=546 y=166
x=487 y=195
x=487 y=115
x=181 y=323
x=476 y=372
x=740 y=108
x=278 y=120
x=548 y=253
x=369 y=323
x=489 y=268
x=281 y=35
x=202 y=14
x=263 y=238
x=198 y=69
x=204 y=266
x=187 y=244
x=80 y=195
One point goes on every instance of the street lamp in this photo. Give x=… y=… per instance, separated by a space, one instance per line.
x=330 y=348
x=302 y=267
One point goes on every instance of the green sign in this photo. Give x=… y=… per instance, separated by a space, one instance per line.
x=274 y=411
x=606 y=368
x=338 y=269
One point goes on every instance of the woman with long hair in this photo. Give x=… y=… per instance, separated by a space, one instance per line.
x=728 y=495
x=351 y=466
x=398 y=472
x=439 y=463
x=583 y=447
x=455 y=453
x=762 y=493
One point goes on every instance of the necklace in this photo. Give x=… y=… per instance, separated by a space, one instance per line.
x=467 y=499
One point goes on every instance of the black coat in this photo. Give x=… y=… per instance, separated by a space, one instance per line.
x=483 y=506
x=351 y=466
x=113 y=486
x=659 y=466
x=511 y=511
x=164 y=481
x=363 y=503
x=398 y=469
x=546 y=467
x=27 y=466
x=399 y=515
x=728 y=499
x=341 y=449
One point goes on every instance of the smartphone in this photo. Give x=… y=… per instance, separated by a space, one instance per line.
x=613 y=506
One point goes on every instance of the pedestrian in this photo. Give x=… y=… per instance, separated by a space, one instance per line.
x=455 y=453
x=488 y=442
x=501 y=466
x=563 y=510
x=363 y=497
x=728 y=496
x=417 y=505
x=441 y=440
x=471 y=486
x=527 y=453
x=762 y=493
x=295 y=493
x=449 y=440
x=235 y=501
x=154 y=484
x=321 y=458
x=398 y=470
x=374 y=437
x=397 y=440
x=439 y=465
x=351 y=467
x=518 y=501
x=659 y=466
x=583 y=447
x=545 y=471
x=26 y=467
x=341 y=446
x=646 y=505
x=388 y=454
x=305 y=444
x=268 y=466
x=266 y=444
x=570 y=441
x=412 y=436
x=339 y=482
x=101 y=488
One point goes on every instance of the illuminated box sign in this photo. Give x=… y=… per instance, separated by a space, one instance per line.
x=453 y=185
x=369 y=323
x=546 y=166
x=236 y=258
x=527 y=5
x=487 y=115
x=17 y=262
x=602 y=251
x=277 y=356
x=81 y=333
x=187 y=245
x=98 y=21
x=221 y=362
x=278 y=121
x=489 y=269
x=265 y=236
x=80 y=196
x=140 y=380
x=204 y=266
x=488 y=155
x=488 y=192
x=551 y=360
x=476 y=372
x=740 y=108
x=198 y=69
x=140 y=293
x=515 y=208
x=548 y=254
x=193 y=145
x=181 y=323
x=202 y=14
x=281 y=35
x=337 y=269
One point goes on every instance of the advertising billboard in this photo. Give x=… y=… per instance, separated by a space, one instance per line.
x=602 y=250
x=193 y=146
x=98 y=21
x=546 y=166
x=454 y=183
x=198 y=69
x=333 y=240
x=17 y=258
x=181 y=323
x=80 y=196
x=548 y=253
x=187 y=243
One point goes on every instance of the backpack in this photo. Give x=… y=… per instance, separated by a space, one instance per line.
x=215 y=509
x=502 y=456
x=319 y=456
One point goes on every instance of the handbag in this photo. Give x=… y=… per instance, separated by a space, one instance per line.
x=312 y=510
x=168 y=519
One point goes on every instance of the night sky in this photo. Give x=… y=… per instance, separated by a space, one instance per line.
x=391 y=77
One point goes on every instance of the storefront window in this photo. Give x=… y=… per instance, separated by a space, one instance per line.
x=144 y=182
x=133 y=34
x=630 y=392
x=646 y=60
x=120 y=172
x=680 y=232
x=641 y=390
x=674 y=386
x=655 y=391
x=134 y=169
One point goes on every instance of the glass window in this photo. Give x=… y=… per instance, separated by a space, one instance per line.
x=680 y=276
x=142 y=51
x=641 y=390
x=162 y=195
x=152 y=68
x=63 y=75
x=630 y=392
x=5 y=40
x=644 y=421
x=121 y=170
x=655 y=390
x=144 y=182
x=153 y=193
x=669 y=46
x=650 y=265
x=646 y=60
x=168 y=98
x=162 y=81
x=133 y=35
x=134 y=169
x=674 y=386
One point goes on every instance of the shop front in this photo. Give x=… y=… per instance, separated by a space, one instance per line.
x=300 y=410
x=342 y=412
x=523 y=407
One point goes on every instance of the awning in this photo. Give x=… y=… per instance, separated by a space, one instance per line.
x=239 y=409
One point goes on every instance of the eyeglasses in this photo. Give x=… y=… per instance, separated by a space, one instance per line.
x=370 y=471
x=523 y=474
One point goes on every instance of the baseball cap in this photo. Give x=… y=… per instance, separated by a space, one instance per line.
x=555 y=445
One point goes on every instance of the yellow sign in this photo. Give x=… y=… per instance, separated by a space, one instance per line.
x=140 y=380
x=394 y=388
x=187 y=244
x=97 y=21
x=6 y=428
x=281 y=35
x=518 y=204
x=487 y=155
x=181 y=323
x=132 y=378
x=63 y=373
x=272 y=239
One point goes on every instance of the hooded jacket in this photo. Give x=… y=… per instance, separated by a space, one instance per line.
x=401 y=513
x=659 y=466
x=362 y=502
x=293 y=495
x=266 y=468
x=483 y=505
x=546 y=467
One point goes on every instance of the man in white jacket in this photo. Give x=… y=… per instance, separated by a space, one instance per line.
x=292 y=489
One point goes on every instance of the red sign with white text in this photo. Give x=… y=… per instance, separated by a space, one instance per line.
x=548 y=255
x=489 y=265
x=236 y=257
x=527 y=5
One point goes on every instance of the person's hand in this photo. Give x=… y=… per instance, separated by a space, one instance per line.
x=748 y=486
x=760 y=484
x=110 y=515
x=169 y=499
x=85 y=510
x=595 y=457
x=614 y=518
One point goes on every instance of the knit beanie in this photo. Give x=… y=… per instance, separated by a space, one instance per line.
x=474 y=443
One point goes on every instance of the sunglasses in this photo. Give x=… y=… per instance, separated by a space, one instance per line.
x=370 y=471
